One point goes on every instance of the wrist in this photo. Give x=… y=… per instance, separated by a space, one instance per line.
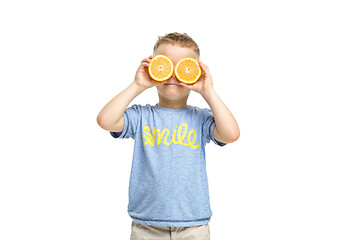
x=208 y=93
x=137 y=87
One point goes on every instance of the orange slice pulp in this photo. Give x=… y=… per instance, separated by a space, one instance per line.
x=187 y=70
x=160 y=68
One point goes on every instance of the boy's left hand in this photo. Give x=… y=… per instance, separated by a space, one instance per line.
x=204 y=83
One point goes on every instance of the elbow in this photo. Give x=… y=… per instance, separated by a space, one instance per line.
x=230 y=137
x=101 y=122
x=234 y=136
x=107 y=125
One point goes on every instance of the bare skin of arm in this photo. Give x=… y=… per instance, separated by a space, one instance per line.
x=110 y=117
x=226 y=129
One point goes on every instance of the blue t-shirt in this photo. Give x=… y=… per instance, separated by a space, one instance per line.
x=168 y=180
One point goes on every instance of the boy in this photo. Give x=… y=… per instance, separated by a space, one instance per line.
x=168 y=190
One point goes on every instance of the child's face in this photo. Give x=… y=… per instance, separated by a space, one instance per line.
x=171 y=88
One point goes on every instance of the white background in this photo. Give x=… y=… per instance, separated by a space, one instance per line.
x=288 y=71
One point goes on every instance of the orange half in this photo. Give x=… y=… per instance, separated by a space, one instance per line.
x=161 y=68
x=187 y=70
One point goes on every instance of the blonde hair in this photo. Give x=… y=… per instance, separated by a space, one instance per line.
x=181 y=39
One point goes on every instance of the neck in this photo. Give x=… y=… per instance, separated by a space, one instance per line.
x=175 y=104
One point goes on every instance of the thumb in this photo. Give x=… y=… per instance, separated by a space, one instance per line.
x=186 y=85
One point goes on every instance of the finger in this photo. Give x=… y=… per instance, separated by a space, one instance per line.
x=145 y=64
x=202 y=64
x=203 y=67
x=143 y=67
x=149 y=58
x=146 y=60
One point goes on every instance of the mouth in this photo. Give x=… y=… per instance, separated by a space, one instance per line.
x=173 y=84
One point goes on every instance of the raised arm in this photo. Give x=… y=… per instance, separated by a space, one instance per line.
x=110 y=117
x=226 y=129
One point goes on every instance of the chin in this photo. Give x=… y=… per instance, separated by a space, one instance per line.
x=173 y=94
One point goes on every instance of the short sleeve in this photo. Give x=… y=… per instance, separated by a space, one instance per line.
x=131 y=116
x=208 y=127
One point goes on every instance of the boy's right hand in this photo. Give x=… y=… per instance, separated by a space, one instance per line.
x=142 y=77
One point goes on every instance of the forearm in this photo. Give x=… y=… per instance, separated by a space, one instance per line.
x=112 y=112
x=226 y=129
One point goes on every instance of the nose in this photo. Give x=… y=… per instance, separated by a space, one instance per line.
x=173 y=76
